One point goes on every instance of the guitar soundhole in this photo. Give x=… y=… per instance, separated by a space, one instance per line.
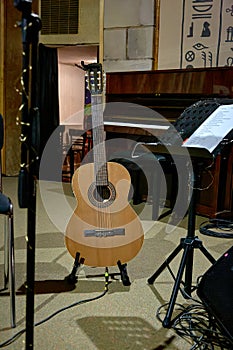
x=101 y=195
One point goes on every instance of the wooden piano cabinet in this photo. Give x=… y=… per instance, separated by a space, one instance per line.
x=169 y=92
x=228 y=202
x=216 y=188
x=197 y=81
x=207 y=196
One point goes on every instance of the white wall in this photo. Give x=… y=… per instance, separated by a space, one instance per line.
x=128 y=35
x=72 y=82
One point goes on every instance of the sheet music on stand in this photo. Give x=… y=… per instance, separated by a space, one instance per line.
x=213 y=130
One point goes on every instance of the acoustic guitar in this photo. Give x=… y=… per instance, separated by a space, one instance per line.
x=104 y=229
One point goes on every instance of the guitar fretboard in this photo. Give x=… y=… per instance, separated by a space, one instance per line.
x=100 y=164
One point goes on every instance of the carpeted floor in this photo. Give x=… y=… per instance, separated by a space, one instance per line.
x=125 y=317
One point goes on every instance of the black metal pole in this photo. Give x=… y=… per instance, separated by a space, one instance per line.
x=30 y=25
x=191 y=235
x=32 y=178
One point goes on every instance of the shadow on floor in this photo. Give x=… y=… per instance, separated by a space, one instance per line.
x=113 y=333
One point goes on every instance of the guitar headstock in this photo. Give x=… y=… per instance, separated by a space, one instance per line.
x=94 y=77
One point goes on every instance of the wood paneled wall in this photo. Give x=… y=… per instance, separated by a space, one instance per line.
x=10 y=73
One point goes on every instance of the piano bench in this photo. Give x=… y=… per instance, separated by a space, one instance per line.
x=146 y=179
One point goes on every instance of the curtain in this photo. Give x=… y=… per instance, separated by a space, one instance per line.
x=48 y=93
x=49 y=111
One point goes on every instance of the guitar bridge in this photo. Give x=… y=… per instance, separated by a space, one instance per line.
x=104 y=232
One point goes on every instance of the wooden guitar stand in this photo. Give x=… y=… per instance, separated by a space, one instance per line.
x=72 y=278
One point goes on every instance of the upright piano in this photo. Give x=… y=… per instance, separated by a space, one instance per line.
x=169 y=92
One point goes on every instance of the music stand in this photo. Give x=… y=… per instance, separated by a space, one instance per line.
x=190 y=242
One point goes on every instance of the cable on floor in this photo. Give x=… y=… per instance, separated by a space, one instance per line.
x=22 y=331
x=197 y=326
x=224 y=227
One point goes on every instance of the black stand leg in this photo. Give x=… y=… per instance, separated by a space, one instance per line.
x=124 y=274
x=165 y=264
x=72 y=278
x=188 y=244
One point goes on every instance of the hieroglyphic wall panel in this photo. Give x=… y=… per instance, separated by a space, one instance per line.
x=195 y=33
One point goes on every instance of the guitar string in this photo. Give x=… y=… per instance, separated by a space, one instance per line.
x=96 y=140
x=100 y=163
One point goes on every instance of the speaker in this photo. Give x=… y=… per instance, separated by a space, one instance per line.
x=216 y=292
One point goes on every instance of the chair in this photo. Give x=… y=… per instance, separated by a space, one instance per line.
x=6 y=209
x=80 y=145
x=149 y=185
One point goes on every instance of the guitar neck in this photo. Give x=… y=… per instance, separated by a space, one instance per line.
x=99 y=152
x=97 y=119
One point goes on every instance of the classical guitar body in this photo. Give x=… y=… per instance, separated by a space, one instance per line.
x=104 y=228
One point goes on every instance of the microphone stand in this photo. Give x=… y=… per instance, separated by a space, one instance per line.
x=28 y=174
